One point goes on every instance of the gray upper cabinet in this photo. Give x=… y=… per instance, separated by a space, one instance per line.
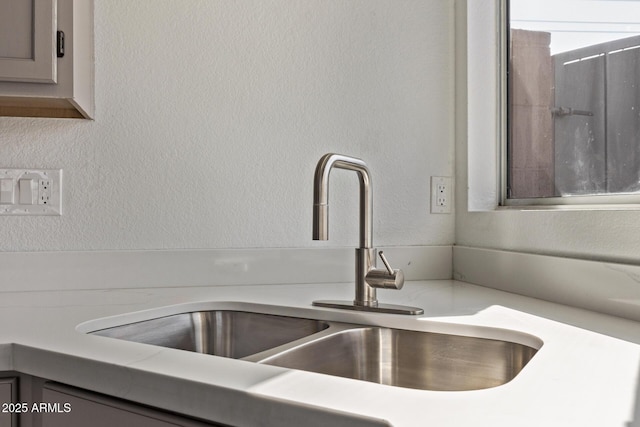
x=35 y=81
x=27 y=41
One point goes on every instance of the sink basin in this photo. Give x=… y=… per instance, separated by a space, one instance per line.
x=395 y=357
x=418 y=360
x=234 y=334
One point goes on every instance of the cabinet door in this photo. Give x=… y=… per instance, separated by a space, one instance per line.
x=28 y=41
x=8 y=395
x=79 y=408
x=23 y=93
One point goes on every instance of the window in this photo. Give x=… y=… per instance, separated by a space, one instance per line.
x=573 y=95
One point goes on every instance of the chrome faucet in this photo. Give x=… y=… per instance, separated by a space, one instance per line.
x=368 y=277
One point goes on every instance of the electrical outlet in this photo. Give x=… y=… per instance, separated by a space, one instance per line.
x=44 y=192
x=441 y=195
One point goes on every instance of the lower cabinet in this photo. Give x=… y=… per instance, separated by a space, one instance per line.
x=29 y=401
x=9 y=400
x=71 y=407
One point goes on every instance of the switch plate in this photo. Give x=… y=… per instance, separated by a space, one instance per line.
x=36 y=192
x=441 y=200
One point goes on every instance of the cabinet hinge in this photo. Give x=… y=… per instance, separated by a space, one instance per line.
x=60 y=44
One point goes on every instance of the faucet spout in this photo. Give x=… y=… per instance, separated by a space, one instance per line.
x=321 y=196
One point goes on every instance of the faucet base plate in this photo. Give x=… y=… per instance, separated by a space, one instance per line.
x=380 y=308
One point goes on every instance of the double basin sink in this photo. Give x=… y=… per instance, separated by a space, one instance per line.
x=396 y=357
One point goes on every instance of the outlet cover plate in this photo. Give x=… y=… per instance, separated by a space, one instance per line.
x=441 y=195
x=46 y=200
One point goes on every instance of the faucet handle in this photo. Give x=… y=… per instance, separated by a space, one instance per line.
x=386 y=263
x=386 y=279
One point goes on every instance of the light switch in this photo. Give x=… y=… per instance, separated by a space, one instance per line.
x=7 y=196
x=28 y=191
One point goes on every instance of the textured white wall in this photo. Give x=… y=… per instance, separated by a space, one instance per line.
x=211 y=116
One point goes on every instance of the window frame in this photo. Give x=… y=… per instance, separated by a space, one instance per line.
x=609 y=201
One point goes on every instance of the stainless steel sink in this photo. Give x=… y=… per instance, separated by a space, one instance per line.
x=419 y=360
x=402 y=358
x=234 y=334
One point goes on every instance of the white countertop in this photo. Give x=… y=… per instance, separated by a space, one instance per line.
x=585 y=374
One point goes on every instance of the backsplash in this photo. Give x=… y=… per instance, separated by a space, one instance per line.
x=38 y=271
